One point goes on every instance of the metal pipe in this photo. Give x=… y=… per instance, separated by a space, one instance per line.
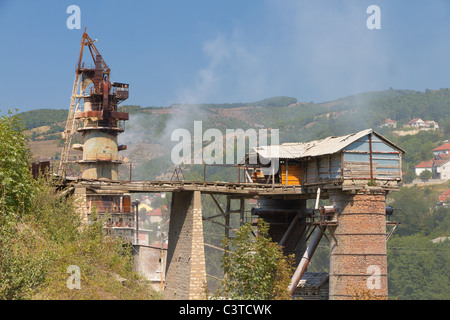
x=305 y=259
x=263 y=211
x=317 y=199
x=289 y=230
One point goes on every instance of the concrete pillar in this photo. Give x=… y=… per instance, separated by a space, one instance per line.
x=358 y=260
x=185 y=268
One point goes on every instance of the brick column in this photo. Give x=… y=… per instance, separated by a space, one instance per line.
x=185 y=268
x=358 y=261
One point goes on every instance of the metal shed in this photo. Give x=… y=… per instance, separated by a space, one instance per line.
x=365 y=155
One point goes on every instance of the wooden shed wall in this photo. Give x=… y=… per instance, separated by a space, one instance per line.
x=323 y=168
x=367 y=158
x=371 y=158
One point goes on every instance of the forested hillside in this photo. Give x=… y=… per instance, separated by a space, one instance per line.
x=418 y=268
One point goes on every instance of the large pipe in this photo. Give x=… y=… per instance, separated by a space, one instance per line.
x=305 y=260
x=289 y=230
x=266 y=211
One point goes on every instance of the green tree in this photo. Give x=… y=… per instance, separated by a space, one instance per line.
x=16 y=183
x=257 y=268
x=425 y=175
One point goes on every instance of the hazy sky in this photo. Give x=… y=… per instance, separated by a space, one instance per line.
x=215 y=51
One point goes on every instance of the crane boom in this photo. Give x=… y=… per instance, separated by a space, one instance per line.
x=77 y=93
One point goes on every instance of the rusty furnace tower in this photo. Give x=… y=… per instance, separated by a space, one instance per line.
x=93 y=113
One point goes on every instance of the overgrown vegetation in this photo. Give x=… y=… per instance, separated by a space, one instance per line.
x=256 y=269
x=41 y=235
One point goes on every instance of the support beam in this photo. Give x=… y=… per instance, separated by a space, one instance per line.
x=185 y=269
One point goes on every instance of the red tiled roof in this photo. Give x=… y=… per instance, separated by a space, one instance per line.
x=444 y=195
x=425 y=164
x=445 y=146
x=439 y=163
x=414 y=120
x=156 y=212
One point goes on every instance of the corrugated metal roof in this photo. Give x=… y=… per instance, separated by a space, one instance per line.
x=332 y=145
x=312 y=279
x=316 y=148
x=283 y=151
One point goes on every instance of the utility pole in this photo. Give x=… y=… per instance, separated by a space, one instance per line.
x=135 y=204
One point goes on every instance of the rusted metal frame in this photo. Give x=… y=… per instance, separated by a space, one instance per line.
x=218 y=206
x=392 y=230
x=226 y=226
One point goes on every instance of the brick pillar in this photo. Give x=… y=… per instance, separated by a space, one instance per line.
x=358 y=261
x=185 y=268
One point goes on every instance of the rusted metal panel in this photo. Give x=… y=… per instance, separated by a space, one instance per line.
x=102 y=115
x=126 y=202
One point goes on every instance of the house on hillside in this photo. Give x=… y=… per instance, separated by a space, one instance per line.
x=443 y=149
x=154 y=216
x=441 y=168
x=444 y=199
x=425 y=165
x=416 y=123
x=431 y=124
x=390 y=123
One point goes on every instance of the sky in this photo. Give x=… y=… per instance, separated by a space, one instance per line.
x=224 y=51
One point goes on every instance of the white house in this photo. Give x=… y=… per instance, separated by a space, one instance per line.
x=441 y=169
x=390 y=123
x=421 y=167
x=417 y=123
x=431 y=124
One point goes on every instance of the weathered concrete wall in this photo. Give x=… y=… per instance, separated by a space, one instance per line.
x=185 y=268
x=147 y=262
x=358 y=260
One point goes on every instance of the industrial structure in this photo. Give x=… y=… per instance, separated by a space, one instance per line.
x=94 y=114
x=353 y=173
